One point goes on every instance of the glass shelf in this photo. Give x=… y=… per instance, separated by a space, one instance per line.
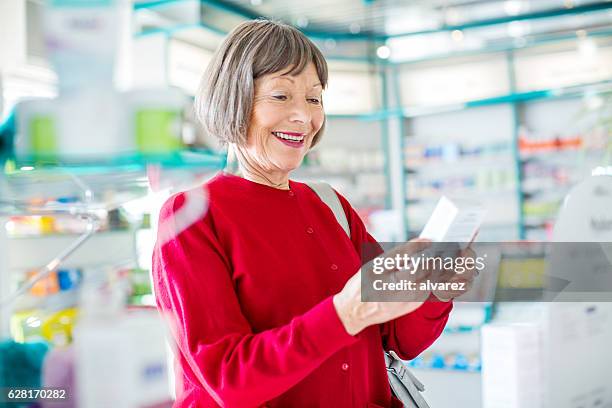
x=43 y=186
x=574 y=91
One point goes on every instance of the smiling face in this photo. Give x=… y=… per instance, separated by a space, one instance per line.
x=287 y=113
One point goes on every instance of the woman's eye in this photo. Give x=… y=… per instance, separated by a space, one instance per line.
x=315 y=101
x=280 y=97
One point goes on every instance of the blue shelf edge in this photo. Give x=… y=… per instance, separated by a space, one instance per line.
x=184 y=159
x=518 y=97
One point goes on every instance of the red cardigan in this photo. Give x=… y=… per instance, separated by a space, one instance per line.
x=249 y=288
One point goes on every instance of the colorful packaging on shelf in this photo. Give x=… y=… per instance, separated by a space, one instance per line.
x=53 y=327
x=140 y=286
x=25 y=326
x=46 y=286
x=156 y=119
x=97 y=122
x=36 y=128
x=57 y=328
x=87 y=125
x=20 y=226
x=69 y=278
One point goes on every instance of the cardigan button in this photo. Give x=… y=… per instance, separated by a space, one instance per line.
x=310 y=230
x=291 y=193
x=334 y=267
x=345 y=367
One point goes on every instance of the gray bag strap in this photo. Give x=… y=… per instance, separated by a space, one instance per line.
x=394 y=362
x=404 y=384
x=327 y=194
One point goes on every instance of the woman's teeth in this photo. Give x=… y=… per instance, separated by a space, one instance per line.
x=288 y=137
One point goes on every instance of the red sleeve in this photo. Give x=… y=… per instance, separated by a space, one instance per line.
x=236 y=366
x=410 y=334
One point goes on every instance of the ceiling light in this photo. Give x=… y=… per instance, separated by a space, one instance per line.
x=256 y=2
x=518 y=29
x=355 y=28
x=568 y=3
x=587 y=47
x=513 y=7
x=457 y=35
x=383 y=52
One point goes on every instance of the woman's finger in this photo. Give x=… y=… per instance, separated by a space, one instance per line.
x=468 y=253
x=410 y=248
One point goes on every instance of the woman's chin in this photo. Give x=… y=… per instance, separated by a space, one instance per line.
x=290 y=166
x=289 y=169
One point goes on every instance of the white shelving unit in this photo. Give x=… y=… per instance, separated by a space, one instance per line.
x=549 y=173
x=466 y=154
x=104 y=248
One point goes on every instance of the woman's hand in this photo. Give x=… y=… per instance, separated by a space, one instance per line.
x=357 y=315
x=464 y=279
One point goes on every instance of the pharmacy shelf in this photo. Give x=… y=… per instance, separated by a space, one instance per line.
x=467 y=163
x=433 y=198
x=315 y=172
x=104 y=248
x=29 y=187
x=47 y=186
x=417 y=364
x=528 y=191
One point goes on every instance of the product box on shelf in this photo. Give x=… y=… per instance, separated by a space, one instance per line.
x=69 y=129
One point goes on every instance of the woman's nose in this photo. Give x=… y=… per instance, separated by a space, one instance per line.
x=300 y=111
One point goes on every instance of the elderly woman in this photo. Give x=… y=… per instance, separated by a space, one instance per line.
x=264 y=289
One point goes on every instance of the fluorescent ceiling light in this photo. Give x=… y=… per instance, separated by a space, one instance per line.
x=383 y=52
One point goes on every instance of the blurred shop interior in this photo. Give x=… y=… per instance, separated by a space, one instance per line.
x=505 y=102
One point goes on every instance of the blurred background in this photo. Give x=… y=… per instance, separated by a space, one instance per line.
x=505 y=103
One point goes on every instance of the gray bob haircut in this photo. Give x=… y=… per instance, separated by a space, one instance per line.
x=253 y=49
